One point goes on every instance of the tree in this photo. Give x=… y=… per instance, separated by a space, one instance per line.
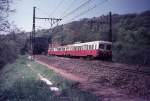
x=4 y=13
x=7 y=47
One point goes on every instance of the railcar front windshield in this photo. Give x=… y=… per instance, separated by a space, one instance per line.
x=101 y=46
x=105 y=46
x=108 y=47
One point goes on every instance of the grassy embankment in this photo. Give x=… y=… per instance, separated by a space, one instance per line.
x=18 y=82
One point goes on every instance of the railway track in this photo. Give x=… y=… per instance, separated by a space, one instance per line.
x=134 y=70
x=123 y=68
x=111 y=66
x=127 y=70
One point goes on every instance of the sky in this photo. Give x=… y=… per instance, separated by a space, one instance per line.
x=22 y=18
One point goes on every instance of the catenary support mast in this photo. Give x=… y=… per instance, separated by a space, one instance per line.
x=32 y=35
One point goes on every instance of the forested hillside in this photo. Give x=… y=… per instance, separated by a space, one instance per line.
x=131 y=35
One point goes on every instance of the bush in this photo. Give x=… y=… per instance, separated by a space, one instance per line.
x=10 y=47
x=8 y=52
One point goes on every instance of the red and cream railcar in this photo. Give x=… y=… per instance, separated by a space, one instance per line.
x=88 y=49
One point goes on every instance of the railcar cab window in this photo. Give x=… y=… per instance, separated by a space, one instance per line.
x=108 y=47
x=101 y=46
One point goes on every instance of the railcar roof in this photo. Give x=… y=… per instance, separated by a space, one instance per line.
x=92 y=42
x=85 y=43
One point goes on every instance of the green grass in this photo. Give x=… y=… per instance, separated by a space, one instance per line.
x=19 y=83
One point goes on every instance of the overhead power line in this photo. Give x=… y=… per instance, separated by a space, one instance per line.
x=65 y=11
x=59 y=4
x=71 y=12
x=51 y=20
x=76 y=9
x=91 y=8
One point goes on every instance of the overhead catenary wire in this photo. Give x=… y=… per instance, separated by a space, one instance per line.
x=91 y=8
x=67 y=9
x=76 y=9
x=59 y=4
x=65 y=14
x=50 y=19
x=45 y=13
x=71 y=12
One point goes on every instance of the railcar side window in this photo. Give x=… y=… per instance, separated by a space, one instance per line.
x=89 y=47
x=101 y=46
x=80 y=47
x=108 y=47
x=92 y=47
x=86 y=47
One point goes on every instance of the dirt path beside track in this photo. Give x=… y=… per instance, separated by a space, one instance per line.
x=88 y=79
x=64 y=73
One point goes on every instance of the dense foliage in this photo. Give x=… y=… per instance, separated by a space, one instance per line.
x=41 y=45
x=132 y=40
x=11 y=46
